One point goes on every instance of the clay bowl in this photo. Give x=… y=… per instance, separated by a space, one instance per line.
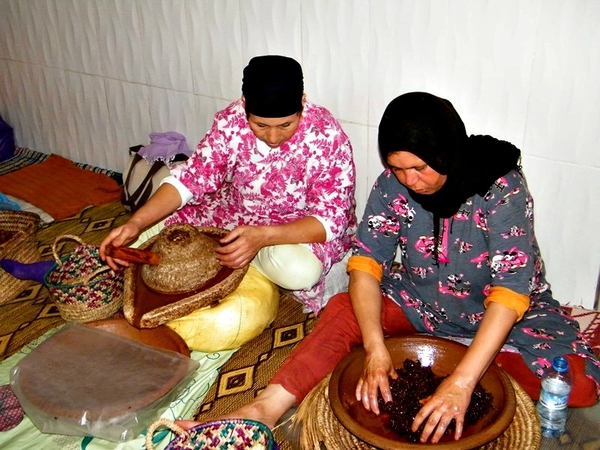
x=442 y=355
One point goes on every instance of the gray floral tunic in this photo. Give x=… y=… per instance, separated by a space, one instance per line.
x=489 y=242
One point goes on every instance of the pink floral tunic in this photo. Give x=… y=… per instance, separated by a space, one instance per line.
x=234 y=182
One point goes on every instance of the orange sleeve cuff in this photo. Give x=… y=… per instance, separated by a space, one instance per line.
x=365 y=264
x=508 y=298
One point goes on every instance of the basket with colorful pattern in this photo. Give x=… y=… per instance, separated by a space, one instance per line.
x=226 y=434
x=83 y=287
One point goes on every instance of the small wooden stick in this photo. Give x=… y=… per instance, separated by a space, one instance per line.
x=134 y=255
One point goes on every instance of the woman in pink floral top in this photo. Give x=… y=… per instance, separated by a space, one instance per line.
x=278 y=172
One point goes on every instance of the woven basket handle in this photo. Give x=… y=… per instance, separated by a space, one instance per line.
x=166 y=423
x=61 y=238
x=85 y=279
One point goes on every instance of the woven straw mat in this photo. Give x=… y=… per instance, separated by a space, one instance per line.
x=321 y=427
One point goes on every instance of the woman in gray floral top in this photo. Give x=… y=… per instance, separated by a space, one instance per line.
x=446 y=247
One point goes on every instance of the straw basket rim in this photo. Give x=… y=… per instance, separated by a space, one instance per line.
x=87 y=297
x=319 y=425
x=22 y=247
x=188 y=302
x=218 y=427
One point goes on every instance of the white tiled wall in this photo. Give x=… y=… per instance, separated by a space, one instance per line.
x=88 y=78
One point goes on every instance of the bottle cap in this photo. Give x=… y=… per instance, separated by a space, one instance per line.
x=560 y=364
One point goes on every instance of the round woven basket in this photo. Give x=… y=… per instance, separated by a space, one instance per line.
x=319 y=426
x=226 y=434
x=21 y=246
x=82 y=286
x=145 y=306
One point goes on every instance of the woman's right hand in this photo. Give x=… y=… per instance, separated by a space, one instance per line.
x=117 y=237
x=377 y=369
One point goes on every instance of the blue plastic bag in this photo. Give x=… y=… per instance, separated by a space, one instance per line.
x=7 y=140
x=7 y=204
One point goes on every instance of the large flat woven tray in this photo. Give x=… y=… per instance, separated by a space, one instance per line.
x=321 y=429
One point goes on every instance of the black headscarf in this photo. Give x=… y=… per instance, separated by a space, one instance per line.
x=430 y=128
x=273 y=86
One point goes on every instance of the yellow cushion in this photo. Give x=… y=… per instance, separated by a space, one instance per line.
x=238 y=318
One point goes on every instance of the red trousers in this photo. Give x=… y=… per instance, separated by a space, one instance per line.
x=337 y=333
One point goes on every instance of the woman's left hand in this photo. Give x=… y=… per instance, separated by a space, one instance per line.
x=452 y=397
x=450 y=401
x=240 y=246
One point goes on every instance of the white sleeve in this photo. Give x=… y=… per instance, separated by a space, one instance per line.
x=328 y=234
x=184 y=192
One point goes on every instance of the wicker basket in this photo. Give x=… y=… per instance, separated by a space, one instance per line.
x=226 y=434
x=320 y=428
x=82 y=286
x=21 y=246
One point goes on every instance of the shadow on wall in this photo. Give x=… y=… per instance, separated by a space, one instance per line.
x=597 y=300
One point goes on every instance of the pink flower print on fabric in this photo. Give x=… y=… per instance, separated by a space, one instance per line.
x=474 y=318
x=463 y=247
x=481 y=259
x=542 y=346
x=385 y=225
x=462 y=214
x=360 y=244
x=425 y=316
x=408 y=300
x=542 y=366
x=538 y=333
x=443 y=245
x=508 y=261
x=455 y=287
x=504 y=200
x=487 y=289
x=500 y=184
x=403 y=245
x=425 y=246
x=514 y=231
x=422 y=272
x=400 y=206
x=480 y=220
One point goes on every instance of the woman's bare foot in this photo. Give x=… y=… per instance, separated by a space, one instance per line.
x=268 y=407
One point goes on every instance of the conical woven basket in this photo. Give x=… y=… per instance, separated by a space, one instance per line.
x=187 y=260
x=21 y=227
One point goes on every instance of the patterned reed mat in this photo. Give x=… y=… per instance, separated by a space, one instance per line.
x=32 y=313
x=248 y=372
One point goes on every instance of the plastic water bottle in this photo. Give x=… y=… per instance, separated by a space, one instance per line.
x=552 y=405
